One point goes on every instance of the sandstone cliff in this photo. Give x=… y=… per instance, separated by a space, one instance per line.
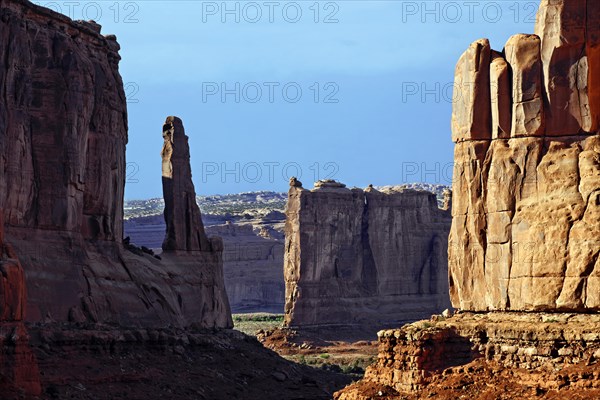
x=525 y=228
x=253 y=269
x=63 y=131
x=367 y=258
x=525 y=232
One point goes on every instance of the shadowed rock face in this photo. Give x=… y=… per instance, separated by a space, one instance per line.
x=182 y=215
x=525 y=232
x=18 y=365
x=63 y=131
x=13 y=293
x=367 y=258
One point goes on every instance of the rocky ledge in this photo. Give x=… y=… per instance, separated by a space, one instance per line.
x=534 y=355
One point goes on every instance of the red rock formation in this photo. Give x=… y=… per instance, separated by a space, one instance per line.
x=19 y=371
x=63 y=131
x=525 y=232
x=18 y=366
x=570 y=33
x=182 y=215
x=363 y=258
x=12 y=282
x=528 y=349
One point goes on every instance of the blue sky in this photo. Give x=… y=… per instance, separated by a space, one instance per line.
x=355 y=90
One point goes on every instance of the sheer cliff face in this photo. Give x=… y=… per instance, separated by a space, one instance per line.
x=364 y=257
x=63 y=124
x=63 y=131
x=525 y=232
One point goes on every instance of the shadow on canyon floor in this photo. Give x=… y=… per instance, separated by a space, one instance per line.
x=102 y=362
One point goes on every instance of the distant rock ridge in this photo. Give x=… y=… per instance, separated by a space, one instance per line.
x=526 y=234
x=362 y=257
x=63 y=132
x=252 y=267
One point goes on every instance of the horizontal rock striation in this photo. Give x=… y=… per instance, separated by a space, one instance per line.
x=367 y=258
x=63 y=131
x=417 y=356
x=253 y=269
x=525 y=231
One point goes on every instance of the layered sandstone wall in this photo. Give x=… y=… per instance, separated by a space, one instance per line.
x=417 y=356
x=63 y=131
x=367 y=258
x=525 y=232
x=253 y=268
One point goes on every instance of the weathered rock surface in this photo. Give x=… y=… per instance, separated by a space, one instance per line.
x=529 y=353
x=500 y=82
x=13 y=293
x=253 y=268
x=367 y=258
x=526 y=208
x=182 y=215
x=18 y=366
x=471 y=115
x=19 y=370
x=525 y=235
x=252 y=256
x=523 y=55
x=63 y=131
x=570 y=32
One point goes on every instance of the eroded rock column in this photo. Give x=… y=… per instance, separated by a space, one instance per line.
x=525 y=233
x=185 y=231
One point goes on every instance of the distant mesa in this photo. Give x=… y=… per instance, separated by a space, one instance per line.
x=363 y=259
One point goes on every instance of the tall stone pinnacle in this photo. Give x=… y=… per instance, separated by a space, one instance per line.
x=185 y=231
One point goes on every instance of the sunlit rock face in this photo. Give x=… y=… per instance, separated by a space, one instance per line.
x=525 y=232
x=363 y=257
x=63 y=132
